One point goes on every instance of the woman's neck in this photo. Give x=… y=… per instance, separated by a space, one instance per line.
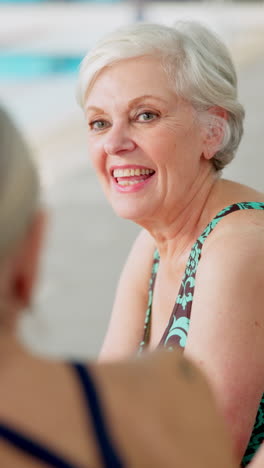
x=175 y=235
x=10 y=346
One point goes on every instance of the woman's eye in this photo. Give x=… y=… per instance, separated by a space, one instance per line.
x=146 y=116
x=98 y=125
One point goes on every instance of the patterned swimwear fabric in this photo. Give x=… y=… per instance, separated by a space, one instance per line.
x=176 y=332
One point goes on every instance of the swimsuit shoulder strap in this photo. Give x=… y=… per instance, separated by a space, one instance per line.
x=226 y=211
x=37 y=450
x=94 y=410
x=32 y=447
x=195 y=253
x=178 y=326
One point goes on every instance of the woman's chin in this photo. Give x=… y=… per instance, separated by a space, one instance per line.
x=131 y=201
x=132 y=213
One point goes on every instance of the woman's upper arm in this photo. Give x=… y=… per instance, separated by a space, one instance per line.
x=127 y=320
x=258 y=460
x=226 y=336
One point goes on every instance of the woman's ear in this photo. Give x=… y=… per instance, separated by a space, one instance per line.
x=214 y=130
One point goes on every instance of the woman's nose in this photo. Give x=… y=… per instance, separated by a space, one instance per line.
x=118 y=142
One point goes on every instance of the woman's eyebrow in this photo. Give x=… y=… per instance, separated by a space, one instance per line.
x=137 y=100
x=133 y=102
x=94 y=109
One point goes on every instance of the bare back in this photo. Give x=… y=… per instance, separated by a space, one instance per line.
x=143 y=406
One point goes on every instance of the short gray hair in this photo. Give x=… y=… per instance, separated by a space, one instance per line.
x=197 y=62
x=19 y=185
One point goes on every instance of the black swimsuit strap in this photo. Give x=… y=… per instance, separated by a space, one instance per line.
x=38 y=451
x=33 y=448
x=108 y=453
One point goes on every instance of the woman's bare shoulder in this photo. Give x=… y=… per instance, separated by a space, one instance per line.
x=233 y=192
x=244 y=228
x=237 y=240
x=242 y=225
x=227 y=192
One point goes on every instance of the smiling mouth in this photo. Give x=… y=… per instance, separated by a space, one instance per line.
x=130 y=176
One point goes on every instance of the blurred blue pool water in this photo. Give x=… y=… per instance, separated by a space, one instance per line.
x=35 y=65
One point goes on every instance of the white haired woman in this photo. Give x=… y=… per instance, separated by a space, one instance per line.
x=51 y=413
x=163 y=121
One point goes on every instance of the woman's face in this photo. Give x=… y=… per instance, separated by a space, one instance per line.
x=145 y=142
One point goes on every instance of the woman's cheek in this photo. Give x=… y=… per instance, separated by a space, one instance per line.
x=95 y=154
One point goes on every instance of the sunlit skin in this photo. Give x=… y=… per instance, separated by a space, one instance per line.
x=136 y=119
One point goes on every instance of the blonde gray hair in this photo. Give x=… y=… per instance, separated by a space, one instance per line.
x=19 y=186
x=198 y=65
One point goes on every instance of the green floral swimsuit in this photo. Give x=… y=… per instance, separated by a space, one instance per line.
x=177 y=330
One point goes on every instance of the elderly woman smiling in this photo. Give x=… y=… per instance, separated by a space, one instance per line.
x=163 y=121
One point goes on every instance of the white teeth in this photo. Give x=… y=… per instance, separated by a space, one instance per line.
x=123 y=182
x=129 y=182
x=131 y=172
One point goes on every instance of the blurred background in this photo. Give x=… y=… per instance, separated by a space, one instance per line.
x=41 y=46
